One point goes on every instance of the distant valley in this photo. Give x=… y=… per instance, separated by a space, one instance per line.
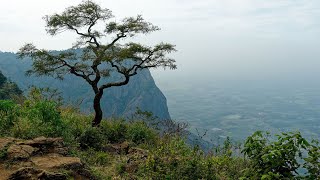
x=238 y=108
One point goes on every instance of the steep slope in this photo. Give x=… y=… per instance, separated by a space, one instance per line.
x=122 y=101
x=8 y=89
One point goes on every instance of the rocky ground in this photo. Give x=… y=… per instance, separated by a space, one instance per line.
x=47 y=159
x=41 y=158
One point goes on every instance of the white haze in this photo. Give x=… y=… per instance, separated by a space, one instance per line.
x=216 y=39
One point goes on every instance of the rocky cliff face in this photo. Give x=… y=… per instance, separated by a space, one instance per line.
x=141 y=92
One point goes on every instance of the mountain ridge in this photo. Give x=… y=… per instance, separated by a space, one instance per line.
x=141 y=92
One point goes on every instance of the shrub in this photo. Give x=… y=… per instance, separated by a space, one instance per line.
x=139 y=132
x=312 y=162
x=75 y=123
x=172 y=158
x=91 y=138
x=274 y=159
x=114 y=131
x=26 y=129
x=39 y=118
x=8 y=115
x=7 y=106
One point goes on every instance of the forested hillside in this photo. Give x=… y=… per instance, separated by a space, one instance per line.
x=8 y=89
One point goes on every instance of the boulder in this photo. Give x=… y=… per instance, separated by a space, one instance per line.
x=56 y=161
x=39 y=159
x=47 y=145
x=30 y=173
x=20 y=152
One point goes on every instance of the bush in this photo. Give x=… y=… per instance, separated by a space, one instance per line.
x=274 y=159
x=39 y=118
x=76 y=124
x=172 y=158
x=92 y=138
x=139 y=132
x=6 y=106
x=114 y=131
x=8 y=115
x=312 y=162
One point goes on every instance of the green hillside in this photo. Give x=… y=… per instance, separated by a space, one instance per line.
x=8 y=89
x=136 y=149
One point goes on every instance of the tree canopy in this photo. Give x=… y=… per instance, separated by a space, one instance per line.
x=107 y=52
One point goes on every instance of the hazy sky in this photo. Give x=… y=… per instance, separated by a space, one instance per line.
x=220 y=38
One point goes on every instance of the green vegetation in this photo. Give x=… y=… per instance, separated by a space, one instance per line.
x=8 y=89
x=140 y=148
x=136 y=150
x=103 y=52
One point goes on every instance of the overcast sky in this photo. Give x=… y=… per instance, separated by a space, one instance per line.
x=221 y=38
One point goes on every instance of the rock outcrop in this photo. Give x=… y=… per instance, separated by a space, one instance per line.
x=41 y=158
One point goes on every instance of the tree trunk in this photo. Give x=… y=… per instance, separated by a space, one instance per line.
x=97 y=109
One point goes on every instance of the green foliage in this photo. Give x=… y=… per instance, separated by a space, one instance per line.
x=7 y=106
x=8 y=90
x=3 y=79
x=36 y=117
x=172 y=158
x=76 y=124
x=138 y=132
x=121 y=168
x=114 y=131
x=41 y=118
x=49 y=94
x=103 y=51
x=274 y=159
x=312 y=162
x=8 y=115
x=155 y=155
x=93 y=157
x=117 y=131
x=91 y=138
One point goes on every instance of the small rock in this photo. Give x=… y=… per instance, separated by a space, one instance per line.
x=47 y=145
x=30 y=173
x=51 y=176
x=26 y=173
x=39 y=159
x=56 y=161
x=17 y=152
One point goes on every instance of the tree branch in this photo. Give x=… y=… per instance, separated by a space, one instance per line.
x=73 y=70
x=89 y=35
x=108 y=85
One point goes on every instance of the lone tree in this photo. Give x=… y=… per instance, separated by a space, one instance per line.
x=104 y=53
